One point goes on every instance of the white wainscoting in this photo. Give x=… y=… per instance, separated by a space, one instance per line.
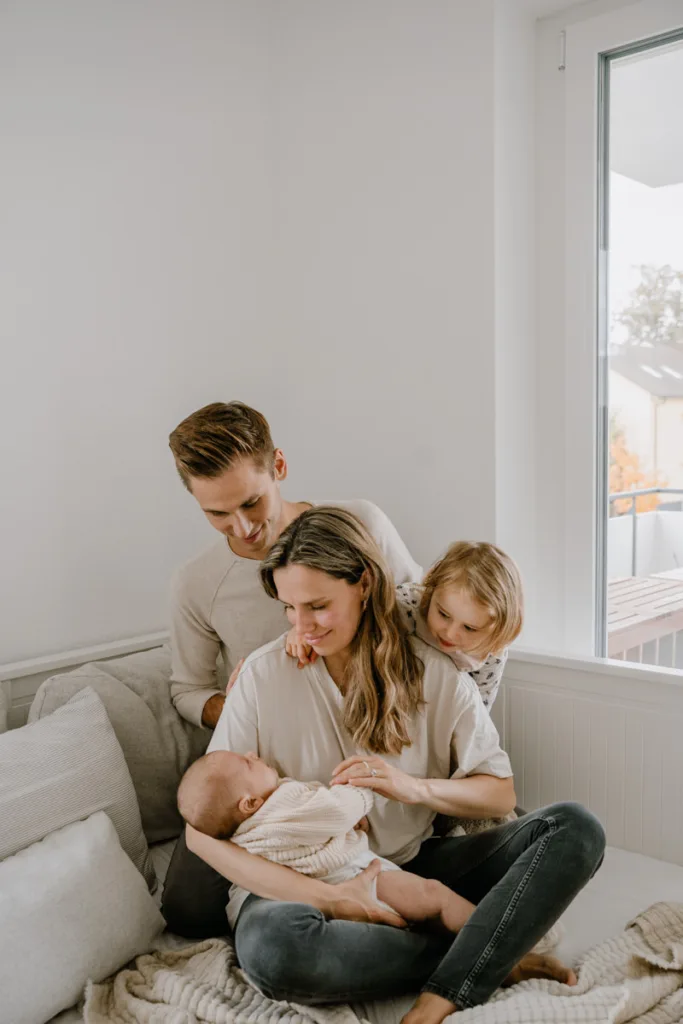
x=605 y=733
x=21 y=679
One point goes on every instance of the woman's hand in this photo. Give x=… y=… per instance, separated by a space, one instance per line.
x=374 y=773
x=296 y=648
x=233 y=677
x=355 y=900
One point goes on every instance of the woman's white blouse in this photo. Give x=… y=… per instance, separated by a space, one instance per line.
x=292 y=718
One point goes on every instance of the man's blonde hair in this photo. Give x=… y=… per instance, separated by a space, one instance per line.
x=489 y=577
x=383 y=682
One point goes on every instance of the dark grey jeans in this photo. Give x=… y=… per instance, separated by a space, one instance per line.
x=194 y=896
x=521 y=875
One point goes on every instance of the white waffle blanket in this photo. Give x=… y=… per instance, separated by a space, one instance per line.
x=636 y=977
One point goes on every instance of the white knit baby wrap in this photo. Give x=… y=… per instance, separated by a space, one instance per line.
x=308 y=827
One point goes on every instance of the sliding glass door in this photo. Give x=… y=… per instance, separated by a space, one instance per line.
x=640 y=337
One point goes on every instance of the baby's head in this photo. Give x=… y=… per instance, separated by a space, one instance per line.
x=472 y=599
x=222 y=789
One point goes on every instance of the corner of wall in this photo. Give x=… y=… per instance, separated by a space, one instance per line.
x=516 y=430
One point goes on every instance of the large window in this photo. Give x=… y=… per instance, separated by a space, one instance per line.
x=641 y=217
x=610 y=298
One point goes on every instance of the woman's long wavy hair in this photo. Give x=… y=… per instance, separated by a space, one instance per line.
x=383 y=684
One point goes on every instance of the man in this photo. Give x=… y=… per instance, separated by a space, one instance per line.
x=226 y=459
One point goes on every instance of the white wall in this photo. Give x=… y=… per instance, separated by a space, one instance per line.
x=668 y=548
x=648 y=543
x=134 y=270
x=659 y=544
x=385 y=230
x=300 y=205
x=515 y=338
x=669 y=434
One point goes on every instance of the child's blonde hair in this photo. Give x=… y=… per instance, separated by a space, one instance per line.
x=491 y=578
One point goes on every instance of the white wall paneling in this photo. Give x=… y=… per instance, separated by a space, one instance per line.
x=603 y=733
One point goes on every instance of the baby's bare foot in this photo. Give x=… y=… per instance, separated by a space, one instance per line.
x=539 y=965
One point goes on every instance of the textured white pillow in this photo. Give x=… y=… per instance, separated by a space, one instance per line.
x=72 y=907
x=157 y=743
x=63 y=769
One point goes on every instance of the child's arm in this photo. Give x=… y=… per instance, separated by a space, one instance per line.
x=297 y=648
x=487 y=678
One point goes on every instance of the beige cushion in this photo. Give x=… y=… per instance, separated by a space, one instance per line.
x=157 y=743
x=65 y=768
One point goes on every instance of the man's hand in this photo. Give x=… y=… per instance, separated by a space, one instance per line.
x=211 y=711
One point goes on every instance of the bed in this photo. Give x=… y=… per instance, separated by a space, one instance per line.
x=626 y=884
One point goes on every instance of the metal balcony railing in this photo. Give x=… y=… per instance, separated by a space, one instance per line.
x=620 y=495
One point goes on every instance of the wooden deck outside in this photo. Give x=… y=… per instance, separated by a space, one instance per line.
x=642 y=609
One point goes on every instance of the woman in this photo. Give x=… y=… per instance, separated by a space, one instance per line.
x=381 y=709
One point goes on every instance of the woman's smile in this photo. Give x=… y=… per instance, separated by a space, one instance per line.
x=313 y=640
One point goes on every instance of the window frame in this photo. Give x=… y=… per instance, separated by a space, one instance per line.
x=587 y=47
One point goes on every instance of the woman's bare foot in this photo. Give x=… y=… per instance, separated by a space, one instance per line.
x=540 y=965
x=429 y=1009
x=432 y=1009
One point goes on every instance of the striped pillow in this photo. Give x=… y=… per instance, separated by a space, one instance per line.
x=62 y=769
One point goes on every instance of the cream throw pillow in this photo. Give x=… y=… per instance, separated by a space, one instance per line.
x=63 y=769
x=72 y=907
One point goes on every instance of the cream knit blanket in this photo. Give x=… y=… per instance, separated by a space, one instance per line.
x=201 y=984
x=308 y=827
x=635 y=977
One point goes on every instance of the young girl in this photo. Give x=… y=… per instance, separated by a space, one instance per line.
x=469 y=606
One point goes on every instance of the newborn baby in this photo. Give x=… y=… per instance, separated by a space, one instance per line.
x=307 y=827
x=313 y=829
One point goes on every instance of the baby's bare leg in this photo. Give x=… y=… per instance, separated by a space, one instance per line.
x=423 y=899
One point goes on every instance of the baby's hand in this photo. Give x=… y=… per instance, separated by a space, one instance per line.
x=296 y=648
x=362 y=826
